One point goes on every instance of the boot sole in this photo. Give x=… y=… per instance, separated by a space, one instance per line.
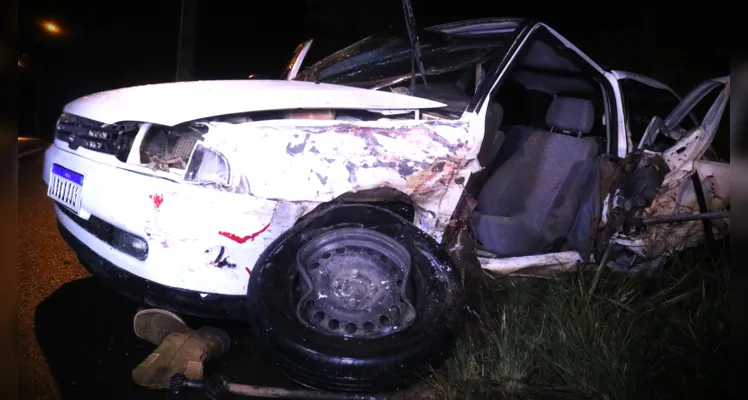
x=153 y=311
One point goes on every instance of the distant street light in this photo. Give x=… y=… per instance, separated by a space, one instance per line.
x=51 y=27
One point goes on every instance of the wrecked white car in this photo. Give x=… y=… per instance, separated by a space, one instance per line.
x=329 y=201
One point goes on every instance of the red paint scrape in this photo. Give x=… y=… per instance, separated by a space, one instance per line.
x=244 y=239
x=157 y=200
x=249 y=271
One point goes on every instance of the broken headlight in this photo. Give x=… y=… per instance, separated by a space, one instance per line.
x=208 y=167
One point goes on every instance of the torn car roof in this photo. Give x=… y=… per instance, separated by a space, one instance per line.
x=173 y=103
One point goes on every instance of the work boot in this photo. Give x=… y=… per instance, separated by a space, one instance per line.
x=154 y=325
x=180 y=350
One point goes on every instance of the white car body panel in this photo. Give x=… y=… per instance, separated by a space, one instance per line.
x=317 y=161
x=291 y=166
x=173 y=103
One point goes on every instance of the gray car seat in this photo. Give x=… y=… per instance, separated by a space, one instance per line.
x=532 y=200
x=493 y=138
x=493 y=142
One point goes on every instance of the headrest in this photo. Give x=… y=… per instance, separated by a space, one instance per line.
x=570 y=114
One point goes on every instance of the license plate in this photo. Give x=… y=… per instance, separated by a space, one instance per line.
x=66 y=187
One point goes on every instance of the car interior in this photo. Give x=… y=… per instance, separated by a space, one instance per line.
x=545 y=130
x=540 y=191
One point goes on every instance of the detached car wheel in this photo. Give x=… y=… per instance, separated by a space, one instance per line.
x=355 y=298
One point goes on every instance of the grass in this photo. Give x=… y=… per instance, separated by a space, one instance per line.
x=582 y=335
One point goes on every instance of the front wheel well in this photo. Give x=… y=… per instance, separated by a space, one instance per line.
x=387 y=198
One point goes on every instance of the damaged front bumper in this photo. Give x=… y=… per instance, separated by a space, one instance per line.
x=151 y=293
x=201 y=241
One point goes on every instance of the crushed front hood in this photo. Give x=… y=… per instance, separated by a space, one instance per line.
x=173 y=103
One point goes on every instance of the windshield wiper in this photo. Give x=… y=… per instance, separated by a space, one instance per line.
x=415 y=45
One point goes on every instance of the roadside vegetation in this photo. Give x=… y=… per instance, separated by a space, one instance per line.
x=599 y=336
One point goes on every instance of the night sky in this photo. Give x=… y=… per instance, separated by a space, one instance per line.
x=107 y=45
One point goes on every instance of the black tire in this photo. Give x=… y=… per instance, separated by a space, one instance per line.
x=318 y=360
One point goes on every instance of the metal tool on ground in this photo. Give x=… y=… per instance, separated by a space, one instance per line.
x=216 y=386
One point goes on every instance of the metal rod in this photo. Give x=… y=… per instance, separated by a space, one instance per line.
x=415 y=44
x=216 y=385
x=703 y=208
x=279 y=393
x=686 y=217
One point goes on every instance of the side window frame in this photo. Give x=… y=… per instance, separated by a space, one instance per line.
x=632 y=88
x=697 y=142
x=694 y=98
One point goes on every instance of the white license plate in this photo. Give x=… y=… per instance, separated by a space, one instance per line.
x=66 y=187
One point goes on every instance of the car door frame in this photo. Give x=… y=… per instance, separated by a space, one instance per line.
x=476 y=114
x=526 y=32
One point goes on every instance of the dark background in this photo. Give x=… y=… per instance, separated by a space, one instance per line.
x=106 y=45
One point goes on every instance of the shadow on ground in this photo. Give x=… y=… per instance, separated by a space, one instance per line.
x=85 y=333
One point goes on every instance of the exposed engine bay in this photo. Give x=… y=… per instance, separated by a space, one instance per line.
x=163 y=149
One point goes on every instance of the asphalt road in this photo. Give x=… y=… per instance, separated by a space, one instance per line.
x=44 y=263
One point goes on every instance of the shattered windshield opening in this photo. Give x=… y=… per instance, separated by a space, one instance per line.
x=387 y=55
